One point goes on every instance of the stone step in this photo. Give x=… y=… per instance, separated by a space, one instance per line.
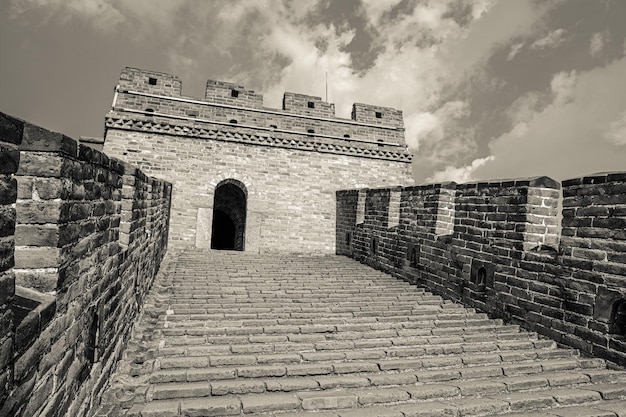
x=450 y=389
x=252 y=366
x=395 y=347
x=553 y=373
x=403 y=329
x=420 y=400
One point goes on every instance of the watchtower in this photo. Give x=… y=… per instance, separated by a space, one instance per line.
x=249 y=177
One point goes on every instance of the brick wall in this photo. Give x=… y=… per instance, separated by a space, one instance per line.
x=90 y=232
x=290 y=193
x=496 y=246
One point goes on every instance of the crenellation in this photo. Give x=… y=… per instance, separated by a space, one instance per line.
x=222 y=92
x=150 y=82
x=377 y=115
x=229 y=106
x=302 y=104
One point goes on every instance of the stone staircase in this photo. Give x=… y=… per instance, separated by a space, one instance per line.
x=231 y=333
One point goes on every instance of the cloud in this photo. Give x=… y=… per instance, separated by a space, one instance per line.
x=569 y=135
x=101 y=14
x=515 y=49
x=616 y=133
x=551 y=40
x=562 y=86
x=461 y=174
x=597 y=43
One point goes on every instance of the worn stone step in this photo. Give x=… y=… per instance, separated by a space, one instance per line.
x=365 y=343
x=448 y=366
x=404 y=399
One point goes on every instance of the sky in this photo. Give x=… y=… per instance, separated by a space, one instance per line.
x=489 y=89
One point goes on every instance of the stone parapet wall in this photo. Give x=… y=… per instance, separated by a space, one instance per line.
x=497 y=246
x=10 y=139
x=89 y=232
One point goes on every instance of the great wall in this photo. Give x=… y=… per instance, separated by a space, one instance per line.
x=491 y=298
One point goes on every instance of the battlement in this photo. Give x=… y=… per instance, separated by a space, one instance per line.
x=367 y=113
x=228 y=93
x=149 y=96
x=308 y=105
x=152 y=82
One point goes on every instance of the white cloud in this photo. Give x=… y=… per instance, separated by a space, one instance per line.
x=524 y=107
x=562 y=86
x=515 y=49
x=598 y=41
x=551 y=40
x=376 y=8
x=461 y=174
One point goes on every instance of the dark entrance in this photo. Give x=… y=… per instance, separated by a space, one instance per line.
x=229 y=216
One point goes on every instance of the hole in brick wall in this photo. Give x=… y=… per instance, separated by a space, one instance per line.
x=91 y=350
x=232 y=121
x=193 y=113
x=348 y=238
x=481 y=279
x=412 y=256
x=481 y=275
x=152 y=81
x=149 y=110
x=310 y=105
x=234 y=93
x=346 y=136
x=379 y=115
x=374 y=246
x=273 y=127
x=310 y=132
x=618 y=318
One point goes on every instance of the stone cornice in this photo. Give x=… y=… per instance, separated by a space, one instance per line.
x=310 y=145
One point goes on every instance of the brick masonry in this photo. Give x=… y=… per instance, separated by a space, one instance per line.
x=82 y=237
x=497 y=246
x=290 y=161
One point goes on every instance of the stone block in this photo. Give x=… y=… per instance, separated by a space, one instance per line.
x=38 y=212
x=36 y=138
x=9 y=159
x=11 y=129
x=37 y=235
x=7 y=220
x=8 y=189
x=37 y=257
x=44 y=280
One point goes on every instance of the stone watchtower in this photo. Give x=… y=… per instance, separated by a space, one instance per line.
x=248 y=177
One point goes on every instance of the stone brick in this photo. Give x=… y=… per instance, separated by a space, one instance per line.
x=36 y=138
x=36 y=235
x=210 y=407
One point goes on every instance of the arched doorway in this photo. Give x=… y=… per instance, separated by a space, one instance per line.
x=229 y=216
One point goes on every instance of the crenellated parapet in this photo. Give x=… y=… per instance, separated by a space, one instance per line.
x=152 y=98
x=497 y=246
